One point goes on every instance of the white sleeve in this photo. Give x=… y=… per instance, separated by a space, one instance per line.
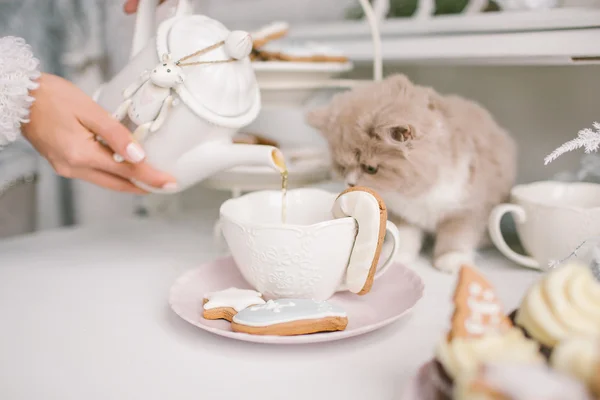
x=19 y=70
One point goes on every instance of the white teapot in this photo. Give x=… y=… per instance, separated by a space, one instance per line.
x=189 y=86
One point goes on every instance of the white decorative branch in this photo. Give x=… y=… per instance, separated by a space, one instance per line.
x=587 y=138
x=554 y=263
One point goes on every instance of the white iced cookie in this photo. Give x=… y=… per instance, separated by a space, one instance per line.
x=286 y=317
x=238 y=44
x=224 y=304
x=369 y=211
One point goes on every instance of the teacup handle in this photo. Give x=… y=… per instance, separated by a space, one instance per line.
x=497 y=238
x=390 y=228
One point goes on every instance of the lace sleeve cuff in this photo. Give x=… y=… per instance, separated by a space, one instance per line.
x=18 y=73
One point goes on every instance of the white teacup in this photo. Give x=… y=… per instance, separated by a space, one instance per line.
x=552 y=219
x=305 y=258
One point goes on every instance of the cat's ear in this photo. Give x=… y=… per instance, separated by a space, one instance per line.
x=401 y=133
x=434 y=100
x=319 y=118
x=399 y=81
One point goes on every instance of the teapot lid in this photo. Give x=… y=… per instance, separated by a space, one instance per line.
x=226 y=94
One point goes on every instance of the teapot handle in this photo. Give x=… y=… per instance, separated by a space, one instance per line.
x=183 y=8
x=145 y=22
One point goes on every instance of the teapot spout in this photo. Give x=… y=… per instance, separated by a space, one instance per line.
x=252 y=154
x=207 y=159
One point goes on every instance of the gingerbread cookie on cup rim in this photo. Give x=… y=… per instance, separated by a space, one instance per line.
x=480 y=334
x=369 y=210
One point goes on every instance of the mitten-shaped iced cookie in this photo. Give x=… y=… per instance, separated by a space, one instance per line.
x=226 y=303
x=287 y=317
x=370 y=213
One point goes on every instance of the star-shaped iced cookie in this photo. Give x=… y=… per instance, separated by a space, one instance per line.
x=224 y=304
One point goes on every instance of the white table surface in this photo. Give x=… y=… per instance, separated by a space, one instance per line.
x=84 y=316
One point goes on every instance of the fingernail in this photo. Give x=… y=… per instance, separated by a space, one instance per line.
x=170 y=186
x=135 y=152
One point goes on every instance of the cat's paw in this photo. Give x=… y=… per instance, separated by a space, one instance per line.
x=411 y=240
x=452 y=261
x=406 y=258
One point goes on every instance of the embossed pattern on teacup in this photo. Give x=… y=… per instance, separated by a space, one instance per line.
x=283 y=262
x=284 y=271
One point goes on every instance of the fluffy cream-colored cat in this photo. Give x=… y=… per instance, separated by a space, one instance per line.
x=440 y=162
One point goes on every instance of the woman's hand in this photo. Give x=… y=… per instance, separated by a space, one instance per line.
x=63 y=126
x=132 y=5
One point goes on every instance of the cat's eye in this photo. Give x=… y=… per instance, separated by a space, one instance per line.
x=164 y=65
x=402 y=133
x=369 y=169
x=168 y=70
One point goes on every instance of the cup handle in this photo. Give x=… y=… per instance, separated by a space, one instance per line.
x=393 y=231
x=498 y=240
x=390 y=228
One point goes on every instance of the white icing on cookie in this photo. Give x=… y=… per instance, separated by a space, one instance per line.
x=273 y=306
x=484 y=310
x=235 y=298
x=364 y=208
x=286 y=310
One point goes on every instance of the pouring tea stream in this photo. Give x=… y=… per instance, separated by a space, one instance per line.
x=189 y=136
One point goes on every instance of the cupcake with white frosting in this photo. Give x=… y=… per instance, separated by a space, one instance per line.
x=563 y=304
x=516 y=381
x=579 y=357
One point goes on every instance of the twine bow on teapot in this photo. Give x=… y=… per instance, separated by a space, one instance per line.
x=237 y=46
x=167 y=77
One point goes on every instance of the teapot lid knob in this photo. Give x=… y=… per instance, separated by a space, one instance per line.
x=238 y=44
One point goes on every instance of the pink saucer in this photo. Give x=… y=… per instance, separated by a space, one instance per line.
x=392 y=296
